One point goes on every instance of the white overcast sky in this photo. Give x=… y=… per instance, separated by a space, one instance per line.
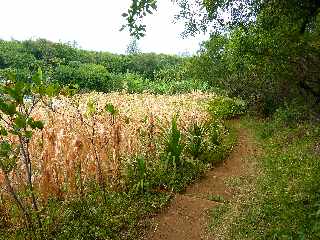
x=93 y=24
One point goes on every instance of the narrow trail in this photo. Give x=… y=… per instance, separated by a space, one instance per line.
x=187 y=216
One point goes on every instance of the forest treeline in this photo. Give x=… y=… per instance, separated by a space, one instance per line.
x=66 y=64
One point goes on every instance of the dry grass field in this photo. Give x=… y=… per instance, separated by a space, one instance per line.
x=82 y=141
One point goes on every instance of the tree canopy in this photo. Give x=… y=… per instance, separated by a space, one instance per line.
x=263 y=50
x=222 y=15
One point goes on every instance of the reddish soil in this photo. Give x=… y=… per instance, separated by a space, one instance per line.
x=187 y=216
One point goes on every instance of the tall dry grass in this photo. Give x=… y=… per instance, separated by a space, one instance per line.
x=79 y=144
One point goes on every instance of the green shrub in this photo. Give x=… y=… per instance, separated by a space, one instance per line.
x=65 y=74
x=21 y=75
x=148 y=64
x=220 y=143
x=93 y=77
x=171 y=74
x=87 y=76
x=117 y=82
x=226 y=108
x=134 y=83
x=291 y=114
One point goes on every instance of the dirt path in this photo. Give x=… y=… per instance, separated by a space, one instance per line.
x=187 y=216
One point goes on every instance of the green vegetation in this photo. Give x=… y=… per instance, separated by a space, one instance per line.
x=217 y=198
x=227 y=108
x=286 y=204
x=281 y=200
x=217 y=214
x=263 y=60
x=119 y=216
x=266 y=52
x=98 y=71
x=18 y=122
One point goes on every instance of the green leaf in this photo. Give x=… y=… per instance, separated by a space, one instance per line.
x=12 y=76
x=8 y=160
x=153 y=5
x=20 y=121
x=37 y=78
x=91 y=107
x=16 y=94
x=42 y=90
x=52 y=90
x=39 y=124
x=111 y=109
x=28 y=134
x=70 y=90
x=8 y=108
x=35 y=124
x=8 y=164
x=3 y=132
x=5 y=148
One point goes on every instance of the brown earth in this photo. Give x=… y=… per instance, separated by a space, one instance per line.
x=187 y=216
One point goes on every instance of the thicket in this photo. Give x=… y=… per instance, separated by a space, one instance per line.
x=100 y=71
x=270 y=61
x=266 y=52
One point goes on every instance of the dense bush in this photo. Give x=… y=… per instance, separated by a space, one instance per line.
x=14 y=55
x=268 y=59
x=118 y=216
x=225 y=107
x=148 y=64
x=176 y=87
x=87 y=76
x=134 y=83
x=101 y=71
